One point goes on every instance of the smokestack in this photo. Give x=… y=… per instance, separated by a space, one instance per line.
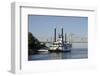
x=65 y=37
x=54 y=34
x=62 y=35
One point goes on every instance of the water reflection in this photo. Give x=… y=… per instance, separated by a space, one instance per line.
x=79 y=51
x=74 y=54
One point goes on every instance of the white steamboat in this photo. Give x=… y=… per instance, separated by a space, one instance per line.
x=60 y=44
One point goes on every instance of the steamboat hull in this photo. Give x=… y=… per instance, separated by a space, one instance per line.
x=69 y=50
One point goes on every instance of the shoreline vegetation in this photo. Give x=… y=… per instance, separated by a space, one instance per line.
x=34 y=44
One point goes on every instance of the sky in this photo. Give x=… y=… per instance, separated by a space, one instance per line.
x=42 y=26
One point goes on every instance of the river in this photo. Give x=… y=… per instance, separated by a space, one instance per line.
x=78 y=51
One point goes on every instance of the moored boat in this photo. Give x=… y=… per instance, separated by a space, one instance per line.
x=59 y=44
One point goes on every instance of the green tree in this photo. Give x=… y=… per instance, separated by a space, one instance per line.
x=34 y=44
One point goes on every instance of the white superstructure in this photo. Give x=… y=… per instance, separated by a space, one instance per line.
x=59 y=44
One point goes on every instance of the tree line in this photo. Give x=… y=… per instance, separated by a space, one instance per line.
x=34 y=44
